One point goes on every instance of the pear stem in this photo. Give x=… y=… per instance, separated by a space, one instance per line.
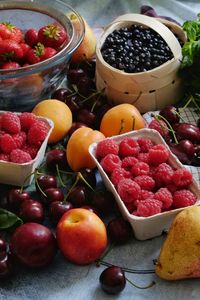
x=122 y=125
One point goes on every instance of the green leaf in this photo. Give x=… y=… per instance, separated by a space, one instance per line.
x=8 y=219
x=192 y=29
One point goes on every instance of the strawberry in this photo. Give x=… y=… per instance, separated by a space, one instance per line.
x=9 y=31
x=34 y=55
x=10 y=50
x=25 y=48
x=48 y=53
x=9 y=65
x=31 y=37
x=52 y=35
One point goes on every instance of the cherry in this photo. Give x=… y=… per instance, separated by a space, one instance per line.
x=119 y=230
x=45 y=182
x=103 y=201
x=197 y=149
x=195 y=161
x=91 y=208
x=187 y=147
x=3 y=245
x=15 y=198
x=32 y=211
x=5 y=265
x=186 y=131
x=57 y=209
x=78 y=196
x=56 y=157
x=85 y=86
x=87 y=117
x=53 y=194
x=72 y=102
x=75 y=126
x=184 y=159
x=74 y=75
x=89 y=66
x=61 y=94
x=112 y=280
x=170 y=113
x=89 y=176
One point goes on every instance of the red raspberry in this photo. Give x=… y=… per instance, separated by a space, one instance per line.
x=31 y=149
x=172 y=187
x=37 y=133
x=182 y=178
x=140 y=168
x=27 y=120
x=131 y=206
x=183 y=198
x=158 y=154
x=163 y=174
x=19 y=139
x=105 y=147
x=119 y=174
x=143 y=157
x=19 y=156
x=110 y=162
x=10 y=123
x=145 y=182
x=148 y=207
x=144 y=194
x=128 y=162
x=129 y=147
x=128 y=190
x=4 y=157
x=165 y=196
x=7 y=143
x=159 y=126
x=145 y=144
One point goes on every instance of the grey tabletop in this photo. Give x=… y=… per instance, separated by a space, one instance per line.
x=63 y=280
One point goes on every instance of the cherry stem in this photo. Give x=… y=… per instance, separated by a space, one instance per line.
x=128 y=270
x=191 y=99
x=59 y=176
x=122 y=125
x=65 y=172
x=73 y=186
x=36 y=181
x=108 y=250
x=141 y=287
x=80 y=176
x=169 y=127
x=89 y=97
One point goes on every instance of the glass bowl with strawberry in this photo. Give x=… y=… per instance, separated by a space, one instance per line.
x=37 y=39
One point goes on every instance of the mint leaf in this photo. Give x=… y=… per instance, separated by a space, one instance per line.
x=8 y=219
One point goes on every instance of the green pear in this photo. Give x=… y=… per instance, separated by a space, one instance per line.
x=180 y=254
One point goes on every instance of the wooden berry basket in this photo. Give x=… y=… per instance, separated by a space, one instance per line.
x=150 y=90
x=145 y=227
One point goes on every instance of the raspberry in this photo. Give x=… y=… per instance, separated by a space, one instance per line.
x=19 y=139
x=27 y=120
x=145 y=182
x=4 y=157
x=10 y=123
x=119 y=174
x=183 y=198
x=129 y=147
x=131 y=206
x=19 y=156
x=143 y=157
x=31 y=149
x=148 y=207
x=182 y=178
x=140 y=168
x=159 y=126
x=163 y=174
x=144 y=194
x=172 y=187
x=106 y=147
x=158 y=154
x=145 y=144
x=128 y=190
x=37 y=133
x=165 y=196
x=7 y=143
x=110 y=162
x=128 y=162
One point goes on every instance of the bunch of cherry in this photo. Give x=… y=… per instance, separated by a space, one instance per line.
x=183 y=138
x=85 y=102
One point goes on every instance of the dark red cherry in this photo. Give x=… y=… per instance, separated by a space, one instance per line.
x=79 y=196
x=74 y=75
x=85 y=86
x=5 y=265
x=3 y=245
x=92 y=209
x=112 y=280
x=75 y=126
x=32 y=211
x=103 y=201
x=61 y=94
x=89 y=66
x=87 y=117
x=56 y=157
x=45 y=182
x=187 y=147
x=184 y=159
x=72 y=102
x=89 y=176
x=15 y=198
x=119 y=230
x=170 y=113
x=53 y=194
x=186 y=131
x=57 y=209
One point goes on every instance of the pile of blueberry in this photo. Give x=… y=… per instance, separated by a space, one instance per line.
x=135 y=49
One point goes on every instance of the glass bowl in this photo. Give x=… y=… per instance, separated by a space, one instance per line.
x=21 y=89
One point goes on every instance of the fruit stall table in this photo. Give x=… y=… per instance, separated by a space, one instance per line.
x=64 y=280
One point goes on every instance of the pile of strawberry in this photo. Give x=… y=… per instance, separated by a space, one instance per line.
x=21 y=136
x=19 y=49
x=143 y=177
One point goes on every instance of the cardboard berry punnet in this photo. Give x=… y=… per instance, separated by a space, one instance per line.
x=152 y=226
